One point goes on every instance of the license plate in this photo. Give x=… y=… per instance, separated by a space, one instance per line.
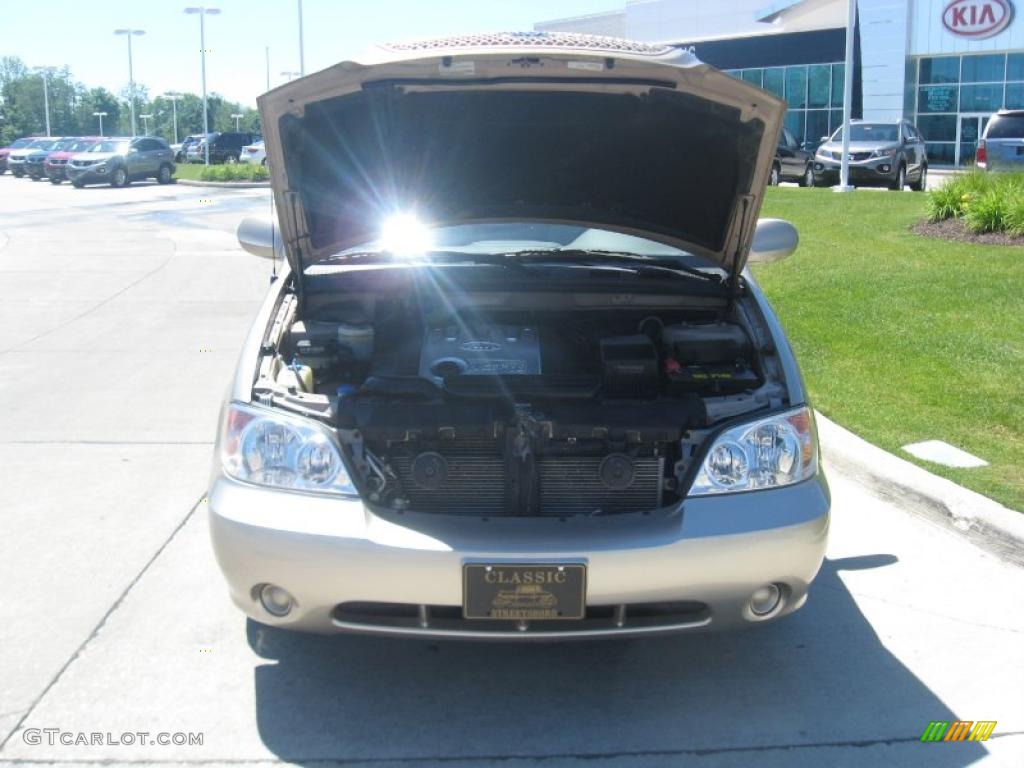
x=523 y=591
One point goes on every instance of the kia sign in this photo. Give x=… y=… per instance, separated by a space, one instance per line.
x=977 y=19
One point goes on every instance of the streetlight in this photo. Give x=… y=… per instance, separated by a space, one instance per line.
x=844 y=163
x=237 y=118
x=130 y=33
x=46 y=72
x=290 y=75
x=173 y=98
x=145 y=124
x=203 y=12
x=100 y=115
x=302 y=47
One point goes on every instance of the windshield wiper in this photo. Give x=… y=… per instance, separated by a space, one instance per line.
x=598 y=258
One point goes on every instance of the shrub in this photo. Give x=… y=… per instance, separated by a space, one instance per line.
x=988 y=202
x=237 y=172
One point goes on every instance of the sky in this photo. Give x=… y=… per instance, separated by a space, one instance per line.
x=80 y=34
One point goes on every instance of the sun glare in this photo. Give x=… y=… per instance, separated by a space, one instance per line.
x=405 y=235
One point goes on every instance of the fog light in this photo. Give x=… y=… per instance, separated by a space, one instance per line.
x=765 y=600
x=883 y=168
x=275 y=601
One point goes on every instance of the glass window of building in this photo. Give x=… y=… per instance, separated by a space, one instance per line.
x=752 y=76
x=937 y=127
x=775 y=81
x=937 y=98
x=1015 y=95
x=944 y=69
x=818 y=86
x=838 y=82
x=1015 y=66
x=981 y=98
x=983 y=69
x=796 y=88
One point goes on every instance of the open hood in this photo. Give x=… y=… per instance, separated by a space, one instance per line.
x=591 y=131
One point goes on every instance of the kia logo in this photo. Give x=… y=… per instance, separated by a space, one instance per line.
x=977 y=19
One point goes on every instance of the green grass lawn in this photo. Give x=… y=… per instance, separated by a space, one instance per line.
x=188 y=171
x=903 y=338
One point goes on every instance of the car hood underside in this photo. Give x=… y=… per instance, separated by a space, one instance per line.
x=656 y=144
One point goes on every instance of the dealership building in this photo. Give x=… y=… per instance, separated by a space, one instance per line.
x=946 y=65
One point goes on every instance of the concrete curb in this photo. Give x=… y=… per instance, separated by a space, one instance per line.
x=982 y=521
x=224 y=184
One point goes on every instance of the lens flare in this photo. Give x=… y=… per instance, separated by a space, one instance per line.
x=405 y=235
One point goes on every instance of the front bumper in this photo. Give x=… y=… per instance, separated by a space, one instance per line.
x=87 y=174
x=56 y=170
x=332 y=553
x=16 y=167
x=35 y=170
x=880 y=170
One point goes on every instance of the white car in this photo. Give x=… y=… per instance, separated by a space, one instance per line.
x=254 y=153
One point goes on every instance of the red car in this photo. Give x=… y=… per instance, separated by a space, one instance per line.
x=17 y=144
x=57 y=159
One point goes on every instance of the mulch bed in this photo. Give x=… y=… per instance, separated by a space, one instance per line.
x=954 y=229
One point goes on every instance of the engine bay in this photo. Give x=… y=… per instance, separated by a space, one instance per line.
x=477 y=406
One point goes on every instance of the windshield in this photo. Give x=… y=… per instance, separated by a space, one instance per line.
x=80 y=145
x=877 y=132
x=526 y=236
x=20 y=143
x=42 y=143
x=64 y=145
x=109 y=146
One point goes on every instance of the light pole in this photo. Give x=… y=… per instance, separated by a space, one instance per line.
x=237 y=118
x=203 y=11
x=130 y=33
x=302 y=47
x=100 y=115
x=290 y=75
x=46 y=72
x=844 y=163
x=173 y=98
x=145 y=124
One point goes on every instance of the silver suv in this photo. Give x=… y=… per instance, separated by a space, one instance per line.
x=881 y=155
x=120 y=161
x=1002 y=145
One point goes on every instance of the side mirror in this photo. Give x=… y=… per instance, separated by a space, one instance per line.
x=774 y=240
x=260 y=237
x=824 y=139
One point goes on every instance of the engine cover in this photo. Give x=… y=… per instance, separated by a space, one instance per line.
x=488 y=350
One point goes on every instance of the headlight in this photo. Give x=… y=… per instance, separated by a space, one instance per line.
x=769 y=453
x=269 y=448
x=884 y=153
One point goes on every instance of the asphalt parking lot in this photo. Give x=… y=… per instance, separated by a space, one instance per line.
x=123 y=313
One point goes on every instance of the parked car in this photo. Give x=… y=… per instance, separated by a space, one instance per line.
x=119 y=161
x=526 y=352
x=35 y=161
x=16 y=144
x=792 y=162
x=58 y=158
x=224 y=147
x=17 y=158
x=180 y=152
x=254 y=153
x=881 y=155
x=1002 y=144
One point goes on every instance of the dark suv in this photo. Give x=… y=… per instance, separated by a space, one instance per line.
x=881 y=155
x=122 y=160
x=792 y=162
x=224 y=147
